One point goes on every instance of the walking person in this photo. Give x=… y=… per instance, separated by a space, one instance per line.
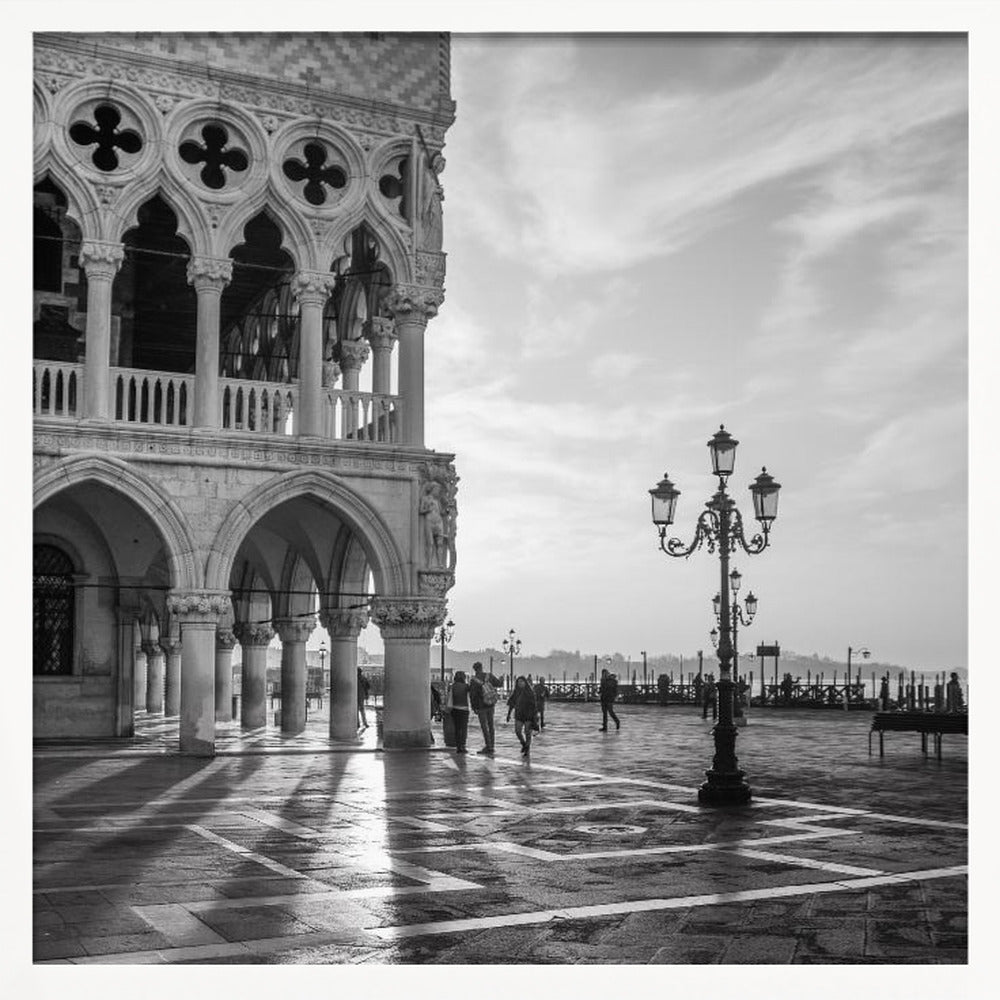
x=954 y=702
x=541 y=696
x=483 y=699
x=608 y=691
x=458 y=705
x=710 y=698
x=363 y=688
x=522 y=704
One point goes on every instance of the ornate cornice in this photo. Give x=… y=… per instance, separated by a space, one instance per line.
x=413 y=302
x=59 y=60
x=344 y=623
x=253 y=635
x=435 y=583
x=209 y=273
x=408 y=618
x=353 y=354
x=313 y=287
x=294 y=629
x=204 y=606
x=380 y=332
x=101 y=260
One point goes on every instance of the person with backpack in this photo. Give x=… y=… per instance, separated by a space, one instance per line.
x=522 y=704
x=458 y=705
x=363 y=688
x=608 y=692
x=541 y=696
x=483 y=699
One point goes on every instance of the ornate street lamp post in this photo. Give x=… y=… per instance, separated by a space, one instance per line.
x=720 y=526
x=322 y=663
x=512 y=646
x=444 y=635
x=863 y=651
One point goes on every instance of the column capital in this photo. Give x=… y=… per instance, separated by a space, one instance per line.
x=199 y=606
x=380 y=331
x=408 y=617
x=150 y=648
x=313 y=287
x=224 y=638
x=101 y=260
x=353 y=354
x=414 y=303
x=249 y=634
x=170 y=646
x=294 y=629
x=343 y=623
x=209 y=273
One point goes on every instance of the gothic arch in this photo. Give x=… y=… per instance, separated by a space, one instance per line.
x=183 y=566
x=386 y=560
x=81 y=205
x=296 y=239
x=191 y=225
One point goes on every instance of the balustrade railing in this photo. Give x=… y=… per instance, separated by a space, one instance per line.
x=159 y=398
x=259 y=407
x=166 y=399
x=57 y=389
x=362 y=416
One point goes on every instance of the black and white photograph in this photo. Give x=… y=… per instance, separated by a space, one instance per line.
x=501 y=494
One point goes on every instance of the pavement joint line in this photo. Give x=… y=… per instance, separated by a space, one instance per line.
x=280 y=823
x=649 y=905
x=177 y=924
x=226 y=880
x=245 y=852
x=790 y=859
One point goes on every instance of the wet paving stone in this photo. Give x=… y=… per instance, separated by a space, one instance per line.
x=593 y=852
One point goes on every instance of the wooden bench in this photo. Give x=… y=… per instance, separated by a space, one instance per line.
x=933 y=723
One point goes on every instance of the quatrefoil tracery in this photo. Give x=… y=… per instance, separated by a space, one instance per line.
x=214 y=155
x=107 y=137
x=314 y=173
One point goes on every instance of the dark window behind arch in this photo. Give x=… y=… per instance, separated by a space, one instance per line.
x=53 y=609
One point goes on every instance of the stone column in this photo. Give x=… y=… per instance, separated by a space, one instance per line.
x=254 y=639
x=311 y=289
x=353 y=355
x=224 y=642
x=412 y=306
x=100 y=262
x=139 y=677
x=154 y=676
x=293 y=633
x=407 y=625
x=199 y=613
x=125 y=704
x=382 y=336
x=172 y=677
x=344 y=627
x=209 y=275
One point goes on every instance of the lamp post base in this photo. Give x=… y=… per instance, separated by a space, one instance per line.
x=724 y=789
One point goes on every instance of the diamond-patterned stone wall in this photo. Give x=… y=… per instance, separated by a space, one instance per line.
x=409 y=69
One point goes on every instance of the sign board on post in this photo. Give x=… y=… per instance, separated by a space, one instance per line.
x=774 y=650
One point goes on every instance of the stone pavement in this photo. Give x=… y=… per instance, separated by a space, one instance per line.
x=594 y=851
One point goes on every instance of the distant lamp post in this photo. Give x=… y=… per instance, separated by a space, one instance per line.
x=512 y=646
x=862 y=651
x=322 y=659
x=445 y=632
x=737 y=618
x=643 y=666
x=720 y=526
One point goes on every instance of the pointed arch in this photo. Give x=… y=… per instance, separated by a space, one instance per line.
x=183 y=564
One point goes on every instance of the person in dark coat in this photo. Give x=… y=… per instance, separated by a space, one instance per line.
x=483 y=699
x=522 y=704
x=458 y=704
x=608 y=691
x=541 y=696
x=363 y=688
x=709 y=697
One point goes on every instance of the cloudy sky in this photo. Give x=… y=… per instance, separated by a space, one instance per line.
x=652 y=235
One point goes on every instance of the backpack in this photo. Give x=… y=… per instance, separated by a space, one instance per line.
x=489 y=693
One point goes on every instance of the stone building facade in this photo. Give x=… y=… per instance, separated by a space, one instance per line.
x=237 y=252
